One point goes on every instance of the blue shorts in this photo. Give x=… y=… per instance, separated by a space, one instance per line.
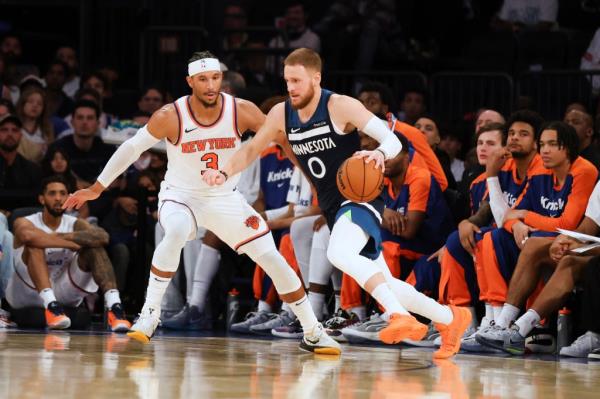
x=366 y=219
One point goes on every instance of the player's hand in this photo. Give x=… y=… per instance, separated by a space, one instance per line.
x=369 y=156
x=515 y=214
x=495 y=161
x=213 y=177
x=439 y=254
x=80 y=197
x=319 y=222
x=393 y=221
x=466 y=234
x=521 y=233
x=561 y=245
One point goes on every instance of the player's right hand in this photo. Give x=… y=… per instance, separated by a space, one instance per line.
x=80 y=197
x=466 y=234
x=495 y=161
x=213 y=177
x=560 y=246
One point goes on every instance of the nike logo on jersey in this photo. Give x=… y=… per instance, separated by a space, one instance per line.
x=280 y=185
x=190 y=130
x=292 y=130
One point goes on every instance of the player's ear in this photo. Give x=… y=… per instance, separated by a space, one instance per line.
x=41 y=199
x=189 y=81
x=317 y=78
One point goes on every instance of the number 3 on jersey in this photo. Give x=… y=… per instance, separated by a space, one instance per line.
x=211 y=159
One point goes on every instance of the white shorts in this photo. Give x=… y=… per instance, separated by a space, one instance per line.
x=228 y=216
x=70 y=285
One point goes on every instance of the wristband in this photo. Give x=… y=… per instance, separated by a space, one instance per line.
x=381 y=151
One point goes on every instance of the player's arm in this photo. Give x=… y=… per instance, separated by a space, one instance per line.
x=353 y=112
x=164 y=123
x=27 y=234
x=86 y=235
x=269 y=132
x=285 y=221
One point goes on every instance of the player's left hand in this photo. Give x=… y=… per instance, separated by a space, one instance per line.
x=213 y=177
x=369 y=156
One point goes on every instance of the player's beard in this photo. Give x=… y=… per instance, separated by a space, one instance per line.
x=304 y=101
x=206 y=104
x=54 y=212
x=519 y=154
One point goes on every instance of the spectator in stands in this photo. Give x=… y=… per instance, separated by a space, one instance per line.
x=451 y=144
x=517 y=15
x=584 y=126
x=551 y=200
x=429 y=127
x=5 y=93
x=297 y=34
x=16 y=172
x=90 y=94
x=591 y=60
x=234 y=22
x=94 y=80
x=6 y=107
x=233 y=83
x=11 y=51
x=56 y=162
x=87 y=151
x=59 y=103
x=151 y=99
x=38 y=132
x=412 y=106
x=68 y=55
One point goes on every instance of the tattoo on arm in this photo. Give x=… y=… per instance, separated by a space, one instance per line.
x=86 y=235
x=96 y=261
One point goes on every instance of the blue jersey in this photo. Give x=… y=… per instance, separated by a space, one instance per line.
x=275 y=176
x=321 y=149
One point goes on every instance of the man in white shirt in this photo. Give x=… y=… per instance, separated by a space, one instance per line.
x=516 y=15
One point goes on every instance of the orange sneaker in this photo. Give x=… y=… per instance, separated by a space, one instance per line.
x=115 y=317
x=452 y=333
x=56 y=319
x=401 y=327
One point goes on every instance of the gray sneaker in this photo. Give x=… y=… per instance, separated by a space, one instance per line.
x=470 y=344
x=506 y=339
x=188 y=318
x=594 y=355
x=428 y=340
x=582 y=346
x=278 y=320
x=320 y=343
x=367 y=331
x=252 y=319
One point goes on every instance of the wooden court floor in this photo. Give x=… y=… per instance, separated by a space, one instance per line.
x=102 y=365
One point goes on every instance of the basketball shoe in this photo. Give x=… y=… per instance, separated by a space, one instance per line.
x=284 y=318
x=56 y=319
x=366 y=331
x=145 y=326
x=317 y=341
x=340 y=320
x=188 y=318
x=293 y=330
x=116 y=320
x=582 y=346
x=401 y=327
x=452 y=333
x=251 y=319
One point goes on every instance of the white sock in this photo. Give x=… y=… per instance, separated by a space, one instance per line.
x=527 y=322
x=338 y=300
x=204 y=272
x=385 y=316
x=264 y=307
x=497 y=310
x=474 y=323
x=489 y=312
x=509 y=314
x=111 y=297
x=386 y=298
x=304 y=313
x=317 y=300
x=413 y=300
x=156 y=289
x=47 y=295
x=360 y=311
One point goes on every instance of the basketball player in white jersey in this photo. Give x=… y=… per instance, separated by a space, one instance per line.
x=202 y=132
x=318 y=130
x=58 y=260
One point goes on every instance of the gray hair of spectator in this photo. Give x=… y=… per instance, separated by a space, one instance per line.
x=200 y=55
x=234 y=81
x=532 y=118
x=494 y=127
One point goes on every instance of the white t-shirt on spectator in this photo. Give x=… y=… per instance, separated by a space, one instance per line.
x=593 y=208
x=308 y=39
x=71 y=87
x=529 y=12
x=457 y=167
x=591 y=59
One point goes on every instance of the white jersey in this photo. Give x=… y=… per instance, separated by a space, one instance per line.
x=56 y=258
x=200 y=147
x=299 y=193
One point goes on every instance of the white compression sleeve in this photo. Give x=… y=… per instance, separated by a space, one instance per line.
x=388 y=142
x=126 y=154
x=497 y=201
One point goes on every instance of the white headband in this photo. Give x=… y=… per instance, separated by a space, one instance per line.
x=203 y=65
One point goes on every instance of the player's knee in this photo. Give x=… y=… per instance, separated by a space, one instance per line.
x=177 y=228
x=282 y=274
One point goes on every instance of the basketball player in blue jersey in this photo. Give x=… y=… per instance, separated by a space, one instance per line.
x=318 y=130
x=202 y=131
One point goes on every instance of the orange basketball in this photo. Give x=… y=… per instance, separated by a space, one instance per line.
x=359 y=181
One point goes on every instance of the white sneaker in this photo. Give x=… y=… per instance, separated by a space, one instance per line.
x=146 y=324
x=320 y=343
x=582 y=346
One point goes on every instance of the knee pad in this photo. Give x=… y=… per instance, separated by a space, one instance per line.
x=282 y=274
x=177 y=223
